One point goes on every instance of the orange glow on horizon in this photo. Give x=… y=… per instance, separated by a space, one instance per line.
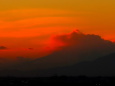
x=28 y=27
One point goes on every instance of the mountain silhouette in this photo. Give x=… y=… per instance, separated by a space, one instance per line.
x=78 y=47
x=58 y=59
x=103 y=66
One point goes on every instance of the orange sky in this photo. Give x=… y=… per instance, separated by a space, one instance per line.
x=29 y=23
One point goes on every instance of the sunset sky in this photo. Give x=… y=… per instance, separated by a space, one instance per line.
x=27 y=27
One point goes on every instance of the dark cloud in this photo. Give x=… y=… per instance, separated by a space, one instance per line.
x=3 y=47
x=78 y=47
x=30 y=48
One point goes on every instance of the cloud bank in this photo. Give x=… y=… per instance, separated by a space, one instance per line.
x=3 y=47
x=76 y=47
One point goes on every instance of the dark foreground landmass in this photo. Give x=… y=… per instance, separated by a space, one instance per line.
x=81 y=80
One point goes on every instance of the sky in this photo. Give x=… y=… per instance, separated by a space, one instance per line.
x=27 y=27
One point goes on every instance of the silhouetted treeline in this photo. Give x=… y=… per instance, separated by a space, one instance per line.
x=36 y=81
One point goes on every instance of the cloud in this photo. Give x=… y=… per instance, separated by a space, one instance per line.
x=30 y=48
x=19 y=14
x=3 y=47
x=87 y=44
x=38 y=26
x=76 y=47
x=35 y=22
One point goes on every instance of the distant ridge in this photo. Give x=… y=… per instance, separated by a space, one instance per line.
x=104 y=66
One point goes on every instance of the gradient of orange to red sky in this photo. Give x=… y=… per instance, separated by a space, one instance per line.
x=26 y=25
